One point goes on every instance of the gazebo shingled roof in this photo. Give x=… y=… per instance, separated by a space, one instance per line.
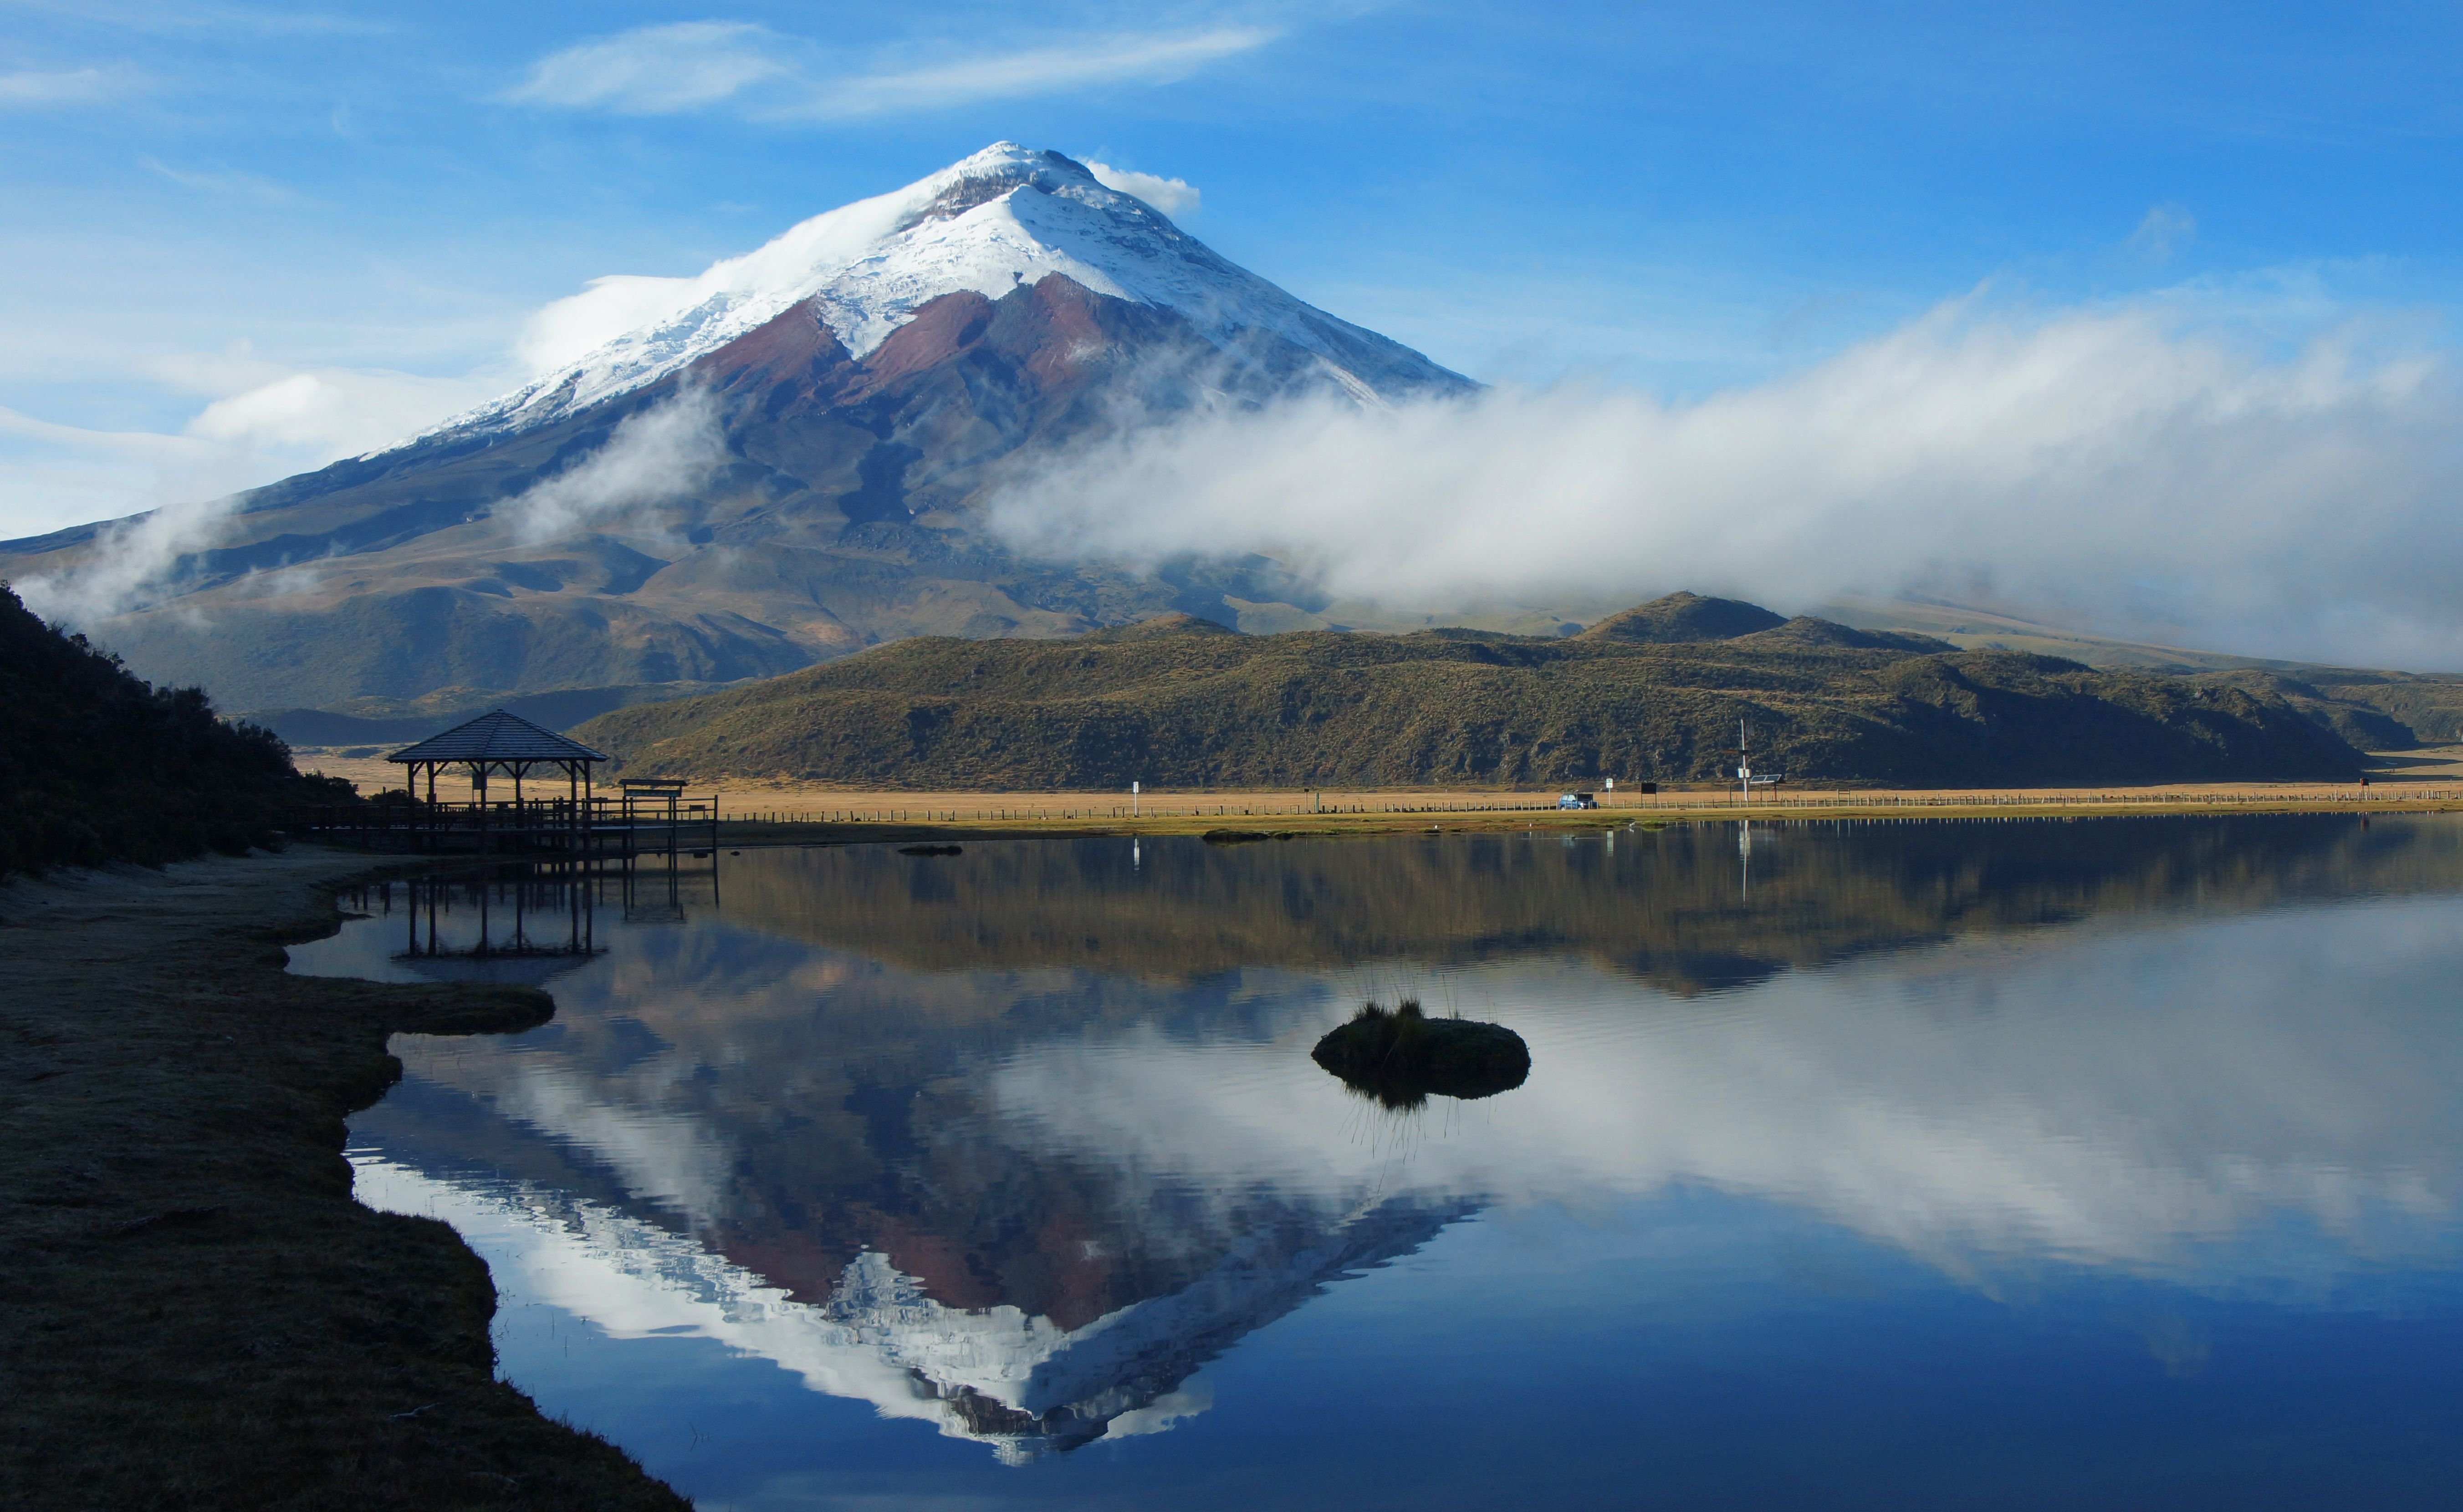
x=496 y=736
x=497 y=741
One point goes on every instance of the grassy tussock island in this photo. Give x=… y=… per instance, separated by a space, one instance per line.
x=199 y=1315
x=1181 y=703
x=1398 y=1057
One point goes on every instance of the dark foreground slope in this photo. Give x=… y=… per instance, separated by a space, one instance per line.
x=97 y=766
x=198 y=1316
x=1182 y=703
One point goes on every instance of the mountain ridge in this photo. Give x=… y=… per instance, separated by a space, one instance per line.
x=1185 y=707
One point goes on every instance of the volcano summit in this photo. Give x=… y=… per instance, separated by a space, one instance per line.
x=771 y=464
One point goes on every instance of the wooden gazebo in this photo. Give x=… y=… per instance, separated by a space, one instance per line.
x=500 y=743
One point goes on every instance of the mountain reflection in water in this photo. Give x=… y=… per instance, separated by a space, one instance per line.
x=1015 y=1142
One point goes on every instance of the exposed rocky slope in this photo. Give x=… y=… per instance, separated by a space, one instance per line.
x=1182 y=703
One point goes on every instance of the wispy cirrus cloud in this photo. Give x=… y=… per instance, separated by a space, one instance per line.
x=770 y=76
x=261 y=420
x=1038 y=70
x=77 y=86
x=2168 y=228
x=658 y=70
x=219 y=177
x=171 y=18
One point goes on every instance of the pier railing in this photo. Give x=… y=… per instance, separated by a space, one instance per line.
x=612 y=825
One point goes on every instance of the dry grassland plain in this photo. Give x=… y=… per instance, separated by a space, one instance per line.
x=2410 y=780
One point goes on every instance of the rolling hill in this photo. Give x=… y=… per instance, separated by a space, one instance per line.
x=2374 y=708
x=1652 y=695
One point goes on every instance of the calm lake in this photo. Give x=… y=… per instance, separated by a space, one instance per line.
x=2111 y=1163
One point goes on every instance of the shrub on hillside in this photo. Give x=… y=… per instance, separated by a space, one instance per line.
x=97 y=765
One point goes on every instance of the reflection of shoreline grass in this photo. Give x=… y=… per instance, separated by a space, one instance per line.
x=199 y=1314
x=1667 y=904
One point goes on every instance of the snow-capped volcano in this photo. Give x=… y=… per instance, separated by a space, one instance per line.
x=780 y=460
x=1005 y=218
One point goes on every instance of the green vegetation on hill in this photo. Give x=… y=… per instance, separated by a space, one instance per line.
x=96 y=766
x=2374 y=709
x=1680 y=619
x=1181 y=703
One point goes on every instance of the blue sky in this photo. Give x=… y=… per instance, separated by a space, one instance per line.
x=210 y=202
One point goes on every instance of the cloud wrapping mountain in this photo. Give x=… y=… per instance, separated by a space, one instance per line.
x=2107 y=463
x=654 y=456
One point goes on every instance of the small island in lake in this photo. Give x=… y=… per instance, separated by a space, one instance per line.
x=1401 y=1056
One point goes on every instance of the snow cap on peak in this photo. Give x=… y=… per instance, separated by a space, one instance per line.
x=1007 y=215
x=1015 y=162
x=999 y=169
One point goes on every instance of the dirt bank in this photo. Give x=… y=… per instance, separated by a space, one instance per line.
x=197 y=1314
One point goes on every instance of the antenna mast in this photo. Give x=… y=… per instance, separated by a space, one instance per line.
x=1746 y=782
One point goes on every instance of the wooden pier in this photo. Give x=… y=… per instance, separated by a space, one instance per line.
x=644 y=816
x=599 y=827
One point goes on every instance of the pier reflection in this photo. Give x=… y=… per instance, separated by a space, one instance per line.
x=524 y=921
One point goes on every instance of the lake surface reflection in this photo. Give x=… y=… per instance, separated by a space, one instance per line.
x=2012 y=1164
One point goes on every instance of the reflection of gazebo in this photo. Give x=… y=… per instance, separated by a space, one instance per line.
x=499 y=742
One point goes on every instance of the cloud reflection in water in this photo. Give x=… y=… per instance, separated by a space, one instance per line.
x=1017 y=1146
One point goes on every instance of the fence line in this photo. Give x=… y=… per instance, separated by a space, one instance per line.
x=1639 y=803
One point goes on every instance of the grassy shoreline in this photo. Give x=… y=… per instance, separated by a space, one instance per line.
x=801 y=813
x=979 y=817
x=199 y=1314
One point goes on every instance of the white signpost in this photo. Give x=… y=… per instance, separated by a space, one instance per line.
x=1133 y=800
x=1746 y=782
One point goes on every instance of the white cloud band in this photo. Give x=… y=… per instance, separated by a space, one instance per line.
x=2147 y=477
x=768 y=76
